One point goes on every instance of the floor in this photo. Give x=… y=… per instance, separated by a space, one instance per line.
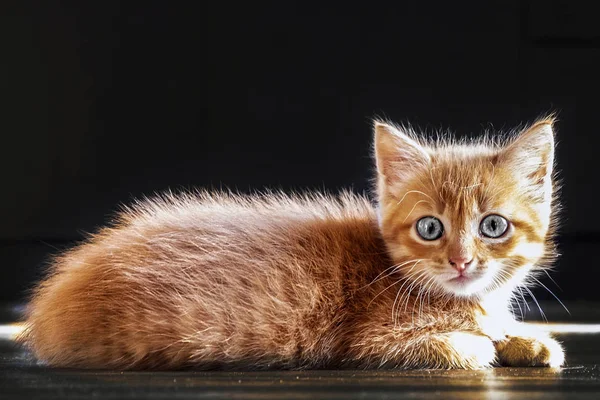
x=20 y=378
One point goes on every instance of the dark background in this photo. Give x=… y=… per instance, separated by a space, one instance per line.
x=101 y=102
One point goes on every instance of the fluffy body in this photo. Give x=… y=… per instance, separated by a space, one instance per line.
x=215 y=280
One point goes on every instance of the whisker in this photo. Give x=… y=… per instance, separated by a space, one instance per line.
x=411 y=287
x=407 y=279
x=429 y=292
x=379 y=294
x=550 y=291
x=553 y=281
x=394 y=305
x=426 y=290
x=415 y=304
x=516 y=300
x=433 y=182
x=409 y=291
x=395 y=283
x=420 y=295
x=524 y=300
x=413 y=191
x=415 y=206
x=537 y=303
x=415 y=264
x=512 y=309
x=504 y=274
x=396 y=267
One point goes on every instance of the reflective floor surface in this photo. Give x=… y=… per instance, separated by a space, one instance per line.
x=21 y=378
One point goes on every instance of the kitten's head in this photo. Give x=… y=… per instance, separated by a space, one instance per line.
x=466 y=218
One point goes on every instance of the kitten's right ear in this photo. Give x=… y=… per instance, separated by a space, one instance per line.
x=531 y=156
x=398 y=156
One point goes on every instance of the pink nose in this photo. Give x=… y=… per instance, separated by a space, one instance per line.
x=460 y=263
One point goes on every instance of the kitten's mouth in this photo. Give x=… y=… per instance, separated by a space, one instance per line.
x=462 y=282
x=464 y=285
x=462 y=279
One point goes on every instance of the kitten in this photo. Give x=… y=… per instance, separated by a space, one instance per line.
x=424 y=280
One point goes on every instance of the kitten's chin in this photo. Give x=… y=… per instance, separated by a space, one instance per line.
x=464 y=286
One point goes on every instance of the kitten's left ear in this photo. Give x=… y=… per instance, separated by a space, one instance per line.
x=531 y=155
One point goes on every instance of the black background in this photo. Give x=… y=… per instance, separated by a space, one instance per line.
x=102 y=102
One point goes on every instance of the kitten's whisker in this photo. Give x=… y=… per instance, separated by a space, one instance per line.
x=433 y=182
x=411 y=287
x=394 y=319
x=408 y=293
x=550 y=291
x=415 y=304
x=419 y=298
x=395 y=283
x=426 y=290
x=396 y=268
x=524 y=300
x=512 y=309
x=495 y=283
x=394 y=306
x=407 y=279
x=429 y=292
x=537 y=303
x=422 y=293
x=516 y=300
x=415 y=206
x=380 y=293
x=413 y=191
x=415 y=264
x=505 y=275
x=553 y=281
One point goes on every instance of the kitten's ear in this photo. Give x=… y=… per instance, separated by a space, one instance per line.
x=531 y=155
x=397 y=155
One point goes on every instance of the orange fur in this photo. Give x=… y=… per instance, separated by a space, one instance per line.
x=275 y=281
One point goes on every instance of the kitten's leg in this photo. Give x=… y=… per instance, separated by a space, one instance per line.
x=414 y=349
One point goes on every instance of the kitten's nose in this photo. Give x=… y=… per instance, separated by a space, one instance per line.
x=460 y=263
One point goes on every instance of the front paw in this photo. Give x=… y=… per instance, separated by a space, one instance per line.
x=519 y=351
x=470 y=351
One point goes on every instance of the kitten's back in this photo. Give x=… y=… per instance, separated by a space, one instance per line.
x=209 y=280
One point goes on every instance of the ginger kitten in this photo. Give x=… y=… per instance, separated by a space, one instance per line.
x=423 y=280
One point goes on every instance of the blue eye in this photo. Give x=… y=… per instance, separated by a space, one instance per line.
x=430 y=228
x=493 y=226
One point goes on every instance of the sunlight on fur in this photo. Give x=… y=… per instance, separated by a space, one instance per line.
x=433 y=274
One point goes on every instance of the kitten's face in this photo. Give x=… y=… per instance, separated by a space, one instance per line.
x=465 y=219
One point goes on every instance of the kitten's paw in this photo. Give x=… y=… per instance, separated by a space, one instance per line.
x=471 y=351
x=518 y=351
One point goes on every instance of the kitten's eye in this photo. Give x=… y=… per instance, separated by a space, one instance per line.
x=493 y=226
x=430 y=228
